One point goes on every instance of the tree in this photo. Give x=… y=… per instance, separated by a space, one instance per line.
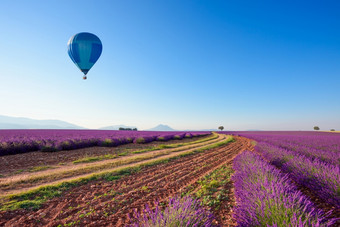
x=316 y=128
x=221 y=128
x=332 y=130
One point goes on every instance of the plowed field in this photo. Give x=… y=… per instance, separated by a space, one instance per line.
x=108 y=203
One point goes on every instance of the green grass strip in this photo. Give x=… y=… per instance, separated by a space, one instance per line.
x=39 y=168
x=95 y=158
x=211 y=190
x=34 y=198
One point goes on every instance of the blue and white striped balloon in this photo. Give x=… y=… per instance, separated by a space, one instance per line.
x=84 y=49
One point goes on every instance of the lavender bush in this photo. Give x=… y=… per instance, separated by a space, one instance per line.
x=179 y=136
x=180 y=212
x=188 y=135
x=266 y=197
x=165 y=138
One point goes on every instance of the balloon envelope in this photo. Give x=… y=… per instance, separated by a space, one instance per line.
x=84 y=49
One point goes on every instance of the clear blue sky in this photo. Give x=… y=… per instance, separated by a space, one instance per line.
x=273 y=65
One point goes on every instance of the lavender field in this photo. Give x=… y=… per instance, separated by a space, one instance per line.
x=291 y=179
x=22 y=141
x=249 y=179
x=321 y=145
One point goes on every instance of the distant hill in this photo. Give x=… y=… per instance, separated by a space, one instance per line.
x=161 y=128
x=7 y=122
x=116 y=127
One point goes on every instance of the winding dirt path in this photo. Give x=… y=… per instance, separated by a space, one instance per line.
x=103 y=203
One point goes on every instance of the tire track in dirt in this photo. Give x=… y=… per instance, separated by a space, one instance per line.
x=109 y=203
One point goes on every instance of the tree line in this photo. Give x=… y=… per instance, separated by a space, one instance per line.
x=128 y=129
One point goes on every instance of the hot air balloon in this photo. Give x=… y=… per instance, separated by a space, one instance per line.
x=84 y=49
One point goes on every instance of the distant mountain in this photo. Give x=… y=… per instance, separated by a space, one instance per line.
x=161 y=128
x=7 y=122
x=116 y=127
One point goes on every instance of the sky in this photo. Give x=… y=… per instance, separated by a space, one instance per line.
x=265 y=65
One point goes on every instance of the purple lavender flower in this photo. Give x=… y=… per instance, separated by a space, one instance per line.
x=179 y=212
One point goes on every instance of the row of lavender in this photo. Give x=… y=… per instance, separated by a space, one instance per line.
x=21 y=141
x=324 y=146
x=266 y=196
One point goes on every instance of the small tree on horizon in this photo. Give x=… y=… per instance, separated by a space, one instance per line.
x=221 y=128
x=332 y=129
x=316 y=128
